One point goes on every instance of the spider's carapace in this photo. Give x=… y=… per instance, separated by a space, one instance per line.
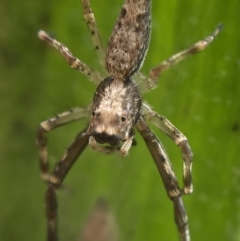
x=115 y=111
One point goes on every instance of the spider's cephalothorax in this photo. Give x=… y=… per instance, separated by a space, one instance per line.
x=118 y=109
x=115 y=111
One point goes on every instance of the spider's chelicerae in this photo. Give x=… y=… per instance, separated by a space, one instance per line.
x=117 y=108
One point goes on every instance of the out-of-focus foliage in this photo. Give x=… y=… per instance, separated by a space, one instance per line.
x=201 y=96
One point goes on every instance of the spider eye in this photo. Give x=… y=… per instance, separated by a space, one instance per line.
x=96 y=113
x=123 y=118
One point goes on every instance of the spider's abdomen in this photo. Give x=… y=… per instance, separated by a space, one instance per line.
x=130 y=38
x=116 y=109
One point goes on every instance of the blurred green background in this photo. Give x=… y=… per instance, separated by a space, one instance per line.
x=201 y=96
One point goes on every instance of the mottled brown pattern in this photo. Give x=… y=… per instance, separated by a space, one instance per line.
x=116 y=109
x=130 y=38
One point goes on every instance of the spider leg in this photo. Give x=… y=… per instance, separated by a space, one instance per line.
x=73 y=61
x=92 y=26
x=168 y=177
x=180 y=140
x=48 y=125
x=151 y=81
x=57 y=177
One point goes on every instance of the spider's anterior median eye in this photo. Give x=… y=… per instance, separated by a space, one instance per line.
x=96 y=113
x=123 y=118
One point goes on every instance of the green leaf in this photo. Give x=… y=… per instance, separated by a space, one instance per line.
x=201 y=96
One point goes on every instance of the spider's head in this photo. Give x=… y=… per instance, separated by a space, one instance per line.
x=115 y=110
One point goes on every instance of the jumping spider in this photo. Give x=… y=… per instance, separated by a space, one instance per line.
x=117 y=108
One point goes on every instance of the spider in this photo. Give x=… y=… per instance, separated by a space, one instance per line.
x=117 y=108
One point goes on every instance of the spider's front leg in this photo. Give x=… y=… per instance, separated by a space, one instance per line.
x=168 y=177
x=50 y=124
x=180 y=140
x=55 y=179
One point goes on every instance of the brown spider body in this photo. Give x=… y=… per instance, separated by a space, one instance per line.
x=118 y=108
x=115 y=111
x=117 y=102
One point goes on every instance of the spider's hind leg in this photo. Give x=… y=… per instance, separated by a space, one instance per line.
x=180 y=140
